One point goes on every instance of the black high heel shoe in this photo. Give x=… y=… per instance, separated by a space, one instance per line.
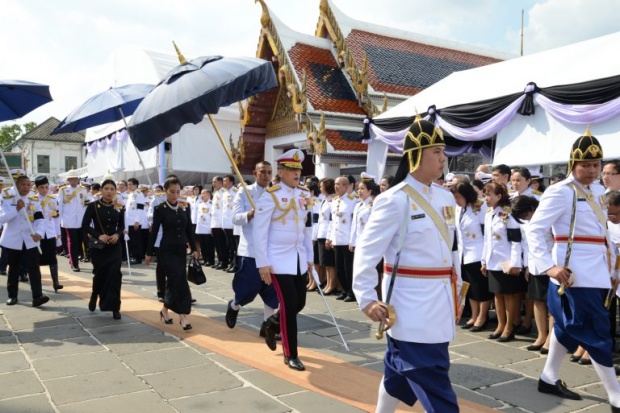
x=162 y=318
x=186 y=327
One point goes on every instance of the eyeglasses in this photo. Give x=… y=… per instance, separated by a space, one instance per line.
x=604 y=174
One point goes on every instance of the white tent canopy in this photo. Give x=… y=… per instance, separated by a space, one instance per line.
x=537 y=139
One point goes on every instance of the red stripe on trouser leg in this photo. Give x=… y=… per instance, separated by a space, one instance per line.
x=283 y=331
x=71 y=260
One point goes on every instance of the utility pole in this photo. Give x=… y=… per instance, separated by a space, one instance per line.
x=522 y=14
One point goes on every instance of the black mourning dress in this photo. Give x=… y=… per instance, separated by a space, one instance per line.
x=101 y=218
x=176 y=224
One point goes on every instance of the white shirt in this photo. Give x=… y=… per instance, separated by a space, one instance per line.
x=72 y=206
x=134 y=208
x=216 y=216
x=203 y=217
x=499 y=253
x=325 y=218
x=361 y=214
x=342 y=215
x=49 y=207
x=17 y=230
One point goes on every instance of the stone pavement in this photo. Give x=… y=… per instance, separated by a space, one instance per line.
x=63 y=358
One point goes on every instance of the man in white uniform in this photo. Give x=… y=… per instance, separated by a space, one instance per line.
x=72 y=202
x=416 y=218
x=583 y=270
x=21 y=214
x=283 y=248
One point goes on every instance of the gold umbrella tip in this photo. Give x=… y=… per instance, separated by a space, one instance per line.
x=182 y=59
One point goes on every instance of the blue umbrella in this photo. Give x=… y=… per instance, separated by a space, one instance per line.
x=18 y=98
x=110 y=106
x=195 y=89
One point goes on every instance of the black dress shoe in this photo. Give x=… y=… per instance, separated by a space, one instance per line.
x=39 y=301
x=192 y=300
x=574 y=359
x=263 y=332
x=23 y=278
x=522 y=330
x=342 y=296
x=294 y=363
x=272 y=327
x=544 y=351
x=11 y=301
x=349 y=299
x=231 y=270
x=584 y=362
x=75 y=268
x=134 y=261
x=558 y=389
x=466 y=326
x=534 y=347
x=494 y=336
x=220 y=266
x=116 y=315
x=506 y=339
x=92 y=303
x=476 y=329
x=231 y=315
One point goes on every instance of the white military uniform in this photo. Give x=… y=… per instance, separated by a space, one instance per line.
x=228 y=197
x=49 y=207
x=589 y=260
x=280 y=224
x=72 y=202
x=498 y=252
x=316 y=202
x=241 y=208
x=216 y=217
x=425 y=307
x=133 y=212
x=325 y=218
x=342 y=216
x=203 y=217
x=469 y=232
x=16 y=231
x=361 y=214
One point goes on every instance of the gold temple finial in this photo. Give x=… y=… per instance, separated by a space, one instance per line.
x=182 y=59
x=264 y=17
x=587 y=132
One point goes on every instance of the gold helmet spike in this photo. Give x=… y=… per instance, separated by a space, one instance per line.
x=182 y=59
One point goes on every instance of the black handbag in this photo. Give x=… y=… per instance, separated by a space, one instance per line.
x=194 y=272
x=95 y=244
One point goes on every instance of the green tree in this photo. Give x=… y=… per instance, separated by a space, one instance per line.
x=10 y=133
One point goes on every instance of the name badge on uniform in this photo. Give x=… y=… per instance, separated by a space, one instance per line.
x=419 y=216
x=448 y=214
x=284 y=199
x=581 y=200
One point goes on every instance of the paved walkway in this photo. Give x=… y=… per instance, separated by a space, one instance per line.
x=63 y=358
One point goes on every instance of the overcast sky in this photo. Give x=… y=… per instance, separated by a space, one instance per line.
x=62 y=43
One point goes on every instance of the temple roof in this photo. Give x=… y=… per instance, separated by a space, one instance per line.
x=406 y=67
x=345 y=140
x=327 y=87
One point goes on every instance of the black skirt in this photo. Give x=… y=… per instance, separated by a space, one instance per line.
x=326 y=257
x=177 y=297
x=537 y=287
x=502 y=283
x=107 y=278
x=478 y=283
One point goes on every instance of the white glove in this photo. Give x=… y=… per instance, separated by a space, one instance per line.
x=126 y=237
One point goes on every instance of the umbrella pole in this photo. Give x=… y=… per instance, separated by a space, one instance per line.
x=148 y=178
x=232 y=162
x=25 y=214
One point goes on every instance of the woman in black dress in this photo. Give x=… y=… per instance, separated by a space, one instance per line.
x=174 y=217
x=104 y=222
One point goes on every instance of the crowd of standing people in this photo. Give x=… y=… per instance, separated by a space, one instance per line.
x=400 y=248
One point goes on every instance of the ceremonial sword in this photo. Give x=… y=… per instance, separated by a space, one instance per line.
x=390 y=308
x=569 y=243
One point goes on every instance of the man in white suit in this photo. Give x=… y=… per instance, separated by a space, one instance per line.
x=416 y=218
x=579 y=312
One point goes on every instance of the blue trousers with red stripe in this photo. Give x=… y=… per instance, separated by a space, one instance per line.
x=291 y=291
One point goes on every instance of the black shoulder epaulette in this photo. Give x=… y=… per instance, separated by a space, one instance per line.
x=273 y=188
